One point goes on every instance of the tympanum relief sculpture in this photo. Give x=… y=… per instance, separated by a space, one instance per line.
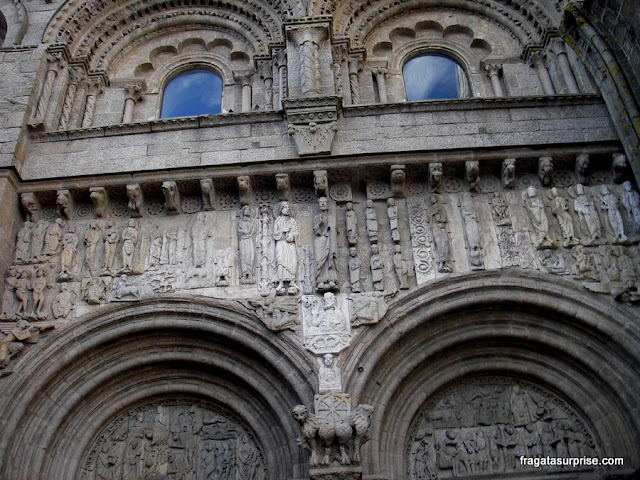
x=482 y=427
x=175 y=439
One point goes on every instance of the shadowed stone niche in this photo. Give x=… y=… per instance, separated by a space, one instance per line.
x=484 y=426
x=175 y=440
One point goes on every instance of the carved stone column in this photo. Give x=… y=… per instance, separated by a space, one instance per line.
x=354 y=82
x=95 y=88
x=244 y=78
x=54 y=63
x=538 y=61
x=134 y=93
x=557 y=47
x=281 y=64
x=78 y=105
x=382 y=85
x=75 y=75
x=265 y=67
x=309 y=55
x=494 y=71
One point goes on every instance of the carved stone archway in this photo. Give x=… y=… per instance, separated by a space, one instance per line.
x=534 y=331
x=155 y=356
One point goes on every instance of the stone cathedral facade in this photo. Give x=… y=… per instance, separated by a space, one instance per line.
x=329 y=278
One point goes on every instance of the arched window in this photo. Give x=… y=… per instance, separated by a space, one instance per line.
x=432 y=77
x=3 y=28
x=194 y=92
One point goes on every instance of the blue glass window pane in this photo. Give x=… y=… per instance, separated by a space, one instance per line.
x=196 y=92
x=431 y=77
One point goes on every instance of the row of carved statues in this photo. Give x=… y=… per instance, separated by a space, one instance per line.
x=558 y=230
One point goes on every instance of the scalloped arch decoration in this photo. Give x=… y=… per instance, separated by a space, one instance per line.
x=454 y=38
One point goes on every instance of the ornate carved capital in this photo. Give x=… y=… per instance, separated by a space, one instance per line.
x=134 y=91
x=312 y=123
x=493 y=69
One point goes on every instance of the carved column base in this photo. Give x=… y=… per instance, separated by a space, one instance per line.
x=347 y=472
x=312 y=123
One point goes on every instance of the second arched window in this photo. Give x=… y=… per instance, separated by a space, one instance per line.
x=434 y=77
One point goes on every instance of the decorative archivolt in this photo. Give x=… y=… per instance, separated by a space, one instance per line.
x=567 y=350
x=92 y=29
x=527 y=20
x=17 y=22
x=159 y=57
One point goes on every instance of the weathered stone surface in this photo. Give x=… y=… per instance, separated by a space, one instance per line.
x=465 y=269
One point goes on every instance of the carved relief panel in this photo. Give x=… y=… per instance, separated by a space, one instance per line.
x=484 y=426
x=175 y=440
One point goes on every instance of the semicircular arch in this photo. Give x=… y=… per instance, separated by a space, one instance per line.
x=518 y=325
x=527 y=22
x=98 y=28
x=81 y=378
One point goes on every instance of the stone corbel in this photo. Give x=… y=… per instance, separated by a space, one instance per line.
x=208 y=194
x=398 y=181
x=284 y=187
x=312 y=123
x=245 y=190
x=619 y=166
x=435 y=177
x=321 y=183
x=545 y=170
x=509 y=173
x=65 y=204
x=171 y=197
x=472 y=174
x=100 y=198
x=581 y=169
x=31 y=206
x=134 y=194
